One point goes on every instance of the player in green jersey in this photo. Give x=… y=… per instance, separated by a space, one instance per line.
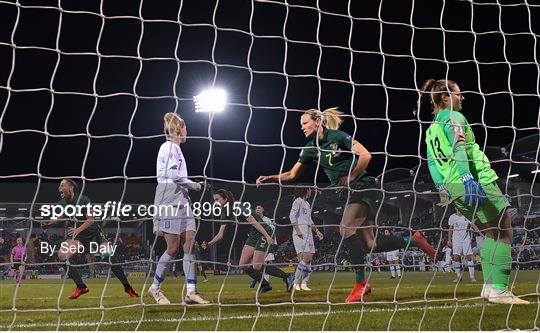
x=82 y=231
x=258 y=239
x=344 y=160
x=460 y=170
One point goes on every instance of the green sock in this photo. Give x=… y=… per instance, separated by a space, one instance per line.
x=73 y=273
x=409 y=241
x=356 y=256
x=118 y=271
x=390 y=243
x=486 y=258
x=502 y=265
x=276 y=271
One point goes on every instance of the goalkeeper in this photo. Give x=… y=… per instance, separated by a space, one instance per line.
x=344 y=160
x=461 y=170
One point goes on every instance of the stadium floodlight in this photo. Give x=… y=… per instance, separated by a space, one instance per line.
x=513 y=176
x=211 y=100
x=535 y=171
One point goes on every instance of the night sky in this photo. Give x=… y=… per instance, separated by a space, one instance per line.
x=117 y=66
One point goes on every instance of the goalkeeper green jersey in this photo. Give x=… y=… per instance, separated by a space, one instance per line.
x=446 y=138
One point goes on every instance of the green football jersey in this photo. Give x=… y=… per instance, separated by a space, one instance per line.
x=333 y=153
x=76 y=221
x=448 y=128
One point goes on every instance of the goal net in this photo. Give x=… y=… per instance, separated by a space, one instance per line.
x=84 y=86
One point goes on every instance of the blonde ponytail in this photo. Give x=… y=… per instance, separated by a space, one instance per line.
x=172 y=123
x=331 y=118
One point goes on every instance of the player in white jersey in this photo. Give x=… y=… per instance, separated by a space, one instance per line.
x=302 y=235
x=176 y=225
x=393 y=259
x=459 y=239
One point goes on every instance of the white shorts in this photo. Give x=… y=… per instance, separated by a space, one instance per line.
x=270 y=257
x=462 y=248
x=392 y=255
x=174 y=226
x=304 y=245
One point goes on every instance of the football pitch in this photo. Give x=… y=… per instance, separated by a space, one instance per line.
x=234 y=305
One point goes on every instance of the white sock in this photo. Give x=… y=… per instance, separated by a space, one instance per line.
x=470 y=264
x=457 y=268
x=393 y=271
x=307 y=274
x=299 y=274
x=398 y=270
x=190 y=272
x=163 y=264
x=266 y=277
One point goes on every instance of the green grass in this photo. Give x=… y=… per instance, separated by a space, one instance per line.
x=447 y=307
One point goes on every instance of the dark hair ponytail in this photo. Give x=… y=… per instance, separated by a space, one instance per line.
x=227 y=195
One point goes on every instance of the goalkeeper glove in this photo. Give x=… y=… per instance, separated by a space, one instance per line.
x=473 y=191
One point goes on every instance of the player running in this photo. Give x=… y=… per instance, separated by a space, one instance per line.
x=460 y=169
x=83 y=234
x=18 y=258
x=177 y=226
x=255 y=247
x=459 y=239
x=393 y=259
x=302 y=235
x=344 y=160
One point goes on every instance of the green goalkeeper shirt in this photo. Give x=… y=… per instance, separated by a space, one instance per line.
x=333 y=153
x=452 y=151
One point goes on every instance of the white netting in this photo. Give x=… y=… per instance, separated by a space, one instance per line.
x=83 y=87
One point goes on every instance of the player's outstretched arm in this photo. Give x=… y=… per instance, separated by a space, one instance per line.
x=288 y=176
x=217 y=238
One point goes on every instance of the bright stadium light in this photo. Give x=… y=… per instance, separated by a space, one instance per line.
x=513 y=175
x=210 y=100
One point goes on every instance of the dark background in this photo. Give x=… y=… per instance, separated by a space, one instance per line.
x=83 y=89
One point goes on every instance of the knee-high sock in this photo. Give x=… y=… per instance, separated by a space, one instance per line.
x=161 y=267
x=486 y=255
x=502 y=265
x=275 y=271
x=470 y=265
x=457 y=268
x=357 y=256
x=74 y=274
x=398 y=270
x=390 y=243
x=19 y=276
x=307 y=274
x=393 y=271
x=118 y=271
x=190 y=272
x=255 y=275
x=299 y=273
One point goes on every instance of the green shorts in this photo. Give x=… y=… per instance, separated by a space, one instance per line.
x=490 y=211
x=257 y=241
x=86 y=237
x=364 y=190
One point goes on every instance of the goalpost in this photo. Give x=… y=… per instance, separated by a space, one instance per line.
x=84 y=86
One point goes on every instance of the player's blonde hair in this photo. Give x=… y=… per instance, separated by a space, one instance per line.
x=331 y=118
x=172 y=123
